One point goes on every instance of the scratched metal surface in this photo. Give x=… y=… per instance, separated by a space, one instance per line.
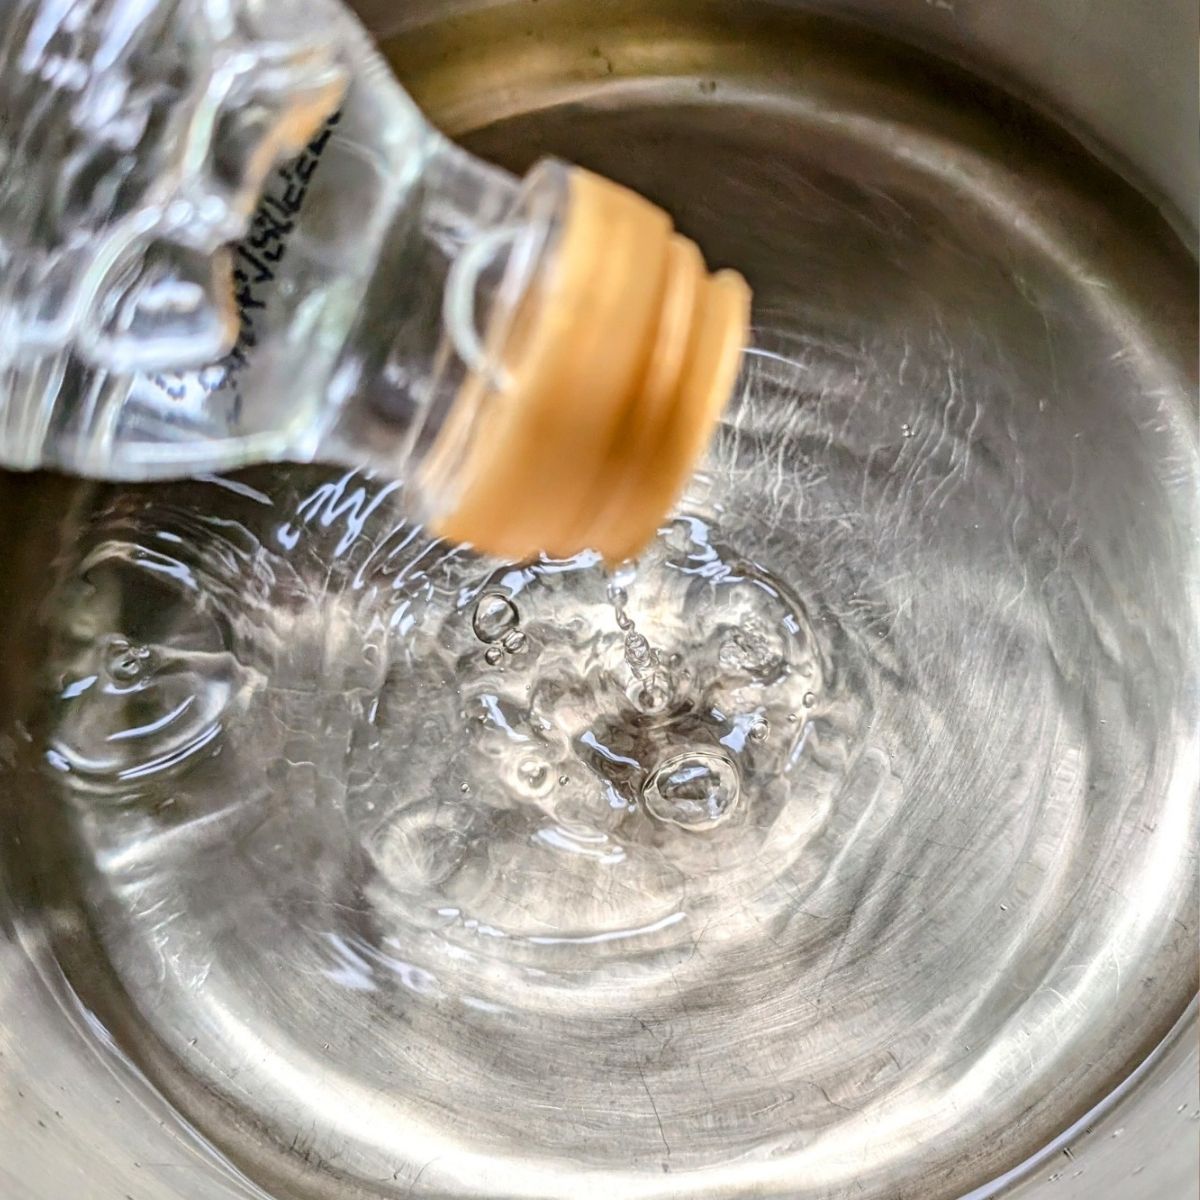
x=975 y=462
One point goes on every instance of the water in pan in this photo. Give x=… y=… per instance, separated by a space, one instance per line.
x=842 y=848
x=501 y=914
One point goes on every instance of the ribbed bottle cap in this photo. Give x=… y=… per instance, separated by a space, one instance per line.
x=614 y=372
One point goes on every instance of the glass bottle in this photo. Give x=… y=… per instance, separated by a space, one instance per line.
x=228 y=236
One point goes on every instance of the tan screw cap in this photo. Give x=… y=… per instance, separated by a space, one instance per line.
x=616 y=370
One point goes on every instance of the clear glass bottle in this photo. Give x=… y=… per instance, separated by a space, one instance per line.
x=227 y=236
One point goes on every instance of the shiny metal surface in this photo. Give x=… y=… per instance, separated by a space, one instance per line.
x=879 y=198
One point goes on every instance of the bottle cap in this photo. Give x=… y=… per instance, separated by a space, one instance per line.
x=612 y=374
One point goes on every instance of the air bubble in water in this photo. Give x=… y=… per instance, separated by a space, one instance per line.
x=651 y=699
x=759 y=730
x=695 y=790
x=532 y=773
x=493 y=655
x=127 y=662
x=809 y=699
x=637 y=650
x=495 y=615
x=514 y=641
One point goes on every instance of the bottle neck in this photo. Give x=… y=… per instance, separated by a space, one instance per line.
x=545 y=362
